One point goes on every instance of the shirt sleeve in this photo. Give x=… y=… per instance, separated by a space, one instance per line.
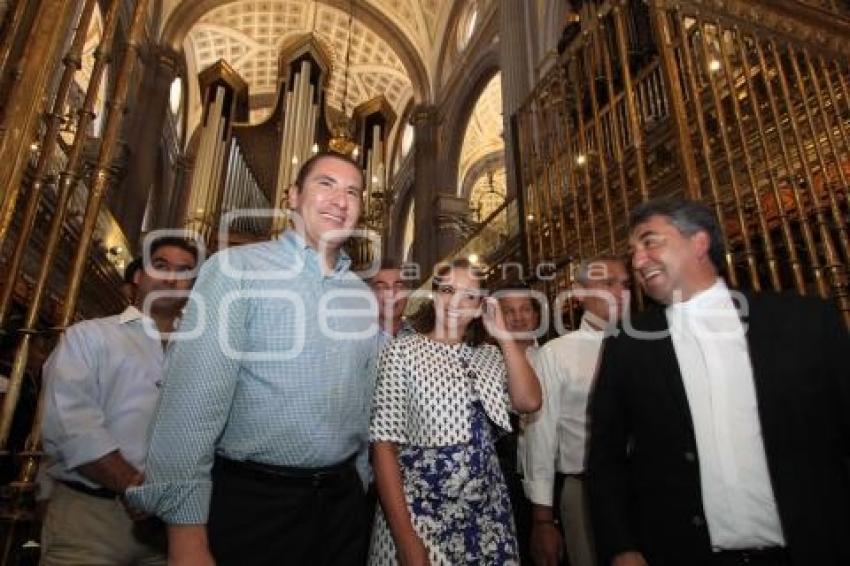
x=541 y=433
x=389 y=408
x=74 y=424
x=362 y=460
x=200 y=381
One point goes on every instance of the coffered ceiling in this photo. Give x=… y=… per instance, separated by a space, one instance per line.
x=384 y=37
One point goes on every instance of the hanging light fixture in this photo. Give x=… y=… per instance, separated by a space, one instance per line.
x=342 y=140
x=491 y=196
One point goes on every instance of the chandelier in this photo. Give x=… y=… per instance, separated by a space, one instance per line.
x=342 y=134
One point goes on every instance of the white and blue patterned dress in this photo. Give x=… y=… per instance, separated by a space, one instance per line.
x=444 y=406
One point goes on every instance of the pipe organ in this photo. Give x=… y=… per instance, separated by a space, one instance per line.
x=746 y=108
x=374 y=120
x=243 y=171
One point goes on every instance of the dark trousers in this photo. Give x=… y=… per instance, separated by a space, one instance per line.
x=757 y=557
x=261 y=515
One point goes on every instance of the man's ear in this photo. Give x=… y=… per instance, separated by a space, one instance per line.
x=137 y=276
x=578 y=292
x=293 y=196
x=702 y=243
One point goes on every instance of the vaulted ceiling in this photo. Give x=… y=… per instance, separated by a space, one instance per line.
x=248 y=34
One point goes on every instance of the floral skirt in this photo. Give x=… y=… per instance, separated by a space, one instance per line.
x=458 y=502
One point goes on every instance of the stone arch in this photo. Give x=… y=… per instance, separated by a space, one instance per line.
x=156 y=14
x=445 y=41
x=399 y=217
x=187 y=13
x=482 y=69
x=398 y=134
x=492 y=160
x=487 y=31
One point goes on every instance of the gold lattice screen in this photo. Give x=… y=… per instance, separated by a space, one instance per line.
x=745 y=109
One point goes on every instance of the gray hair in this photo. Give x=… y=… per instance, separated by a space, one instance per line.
x=583 y=270
x=689 y=217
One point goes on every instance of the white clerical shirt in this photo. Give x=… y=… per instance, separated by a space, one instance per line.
x=711 y=347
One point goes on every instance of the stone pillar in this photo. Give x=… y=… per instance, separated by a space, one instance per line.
x=513 y=53
x=425 y=166
x=144 y=133
x=453 y=222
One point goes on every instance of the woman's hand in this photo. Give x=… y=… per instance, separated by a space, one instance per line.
x=494 y=320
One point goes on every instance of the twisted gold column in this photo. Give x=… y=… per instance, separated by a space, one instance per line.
x=22 y=111
x=49 y=143
x=25 y=481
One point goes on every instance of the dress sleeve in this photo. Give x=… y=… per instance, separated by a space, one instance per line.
x=389 y=408
x=491 y=384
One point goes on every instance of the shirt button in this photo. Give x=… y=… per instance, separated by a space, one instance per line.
x=697 y=521
x=690 y=456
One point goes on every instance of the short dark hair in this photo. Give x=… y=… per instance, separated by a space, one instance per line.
x=184 y=244
x=689 y=217
x=388 y=263
x=425 y=318
x=582 y=274
x=308 y=166
x=131 y=269
x=518 y=286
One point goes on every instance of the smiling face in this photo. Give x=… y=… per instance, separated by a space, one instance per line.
x=457 y=300
x=169 y=264
x=520 y=315
x=328 y=202
x=391 y=292
x=670 y=265
x=604 y=291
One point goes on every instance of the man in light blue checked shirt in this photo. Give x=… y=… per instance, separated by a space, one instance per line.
x=258 y=449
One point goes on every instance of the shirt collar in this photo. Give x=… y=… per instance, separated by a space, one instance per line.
x=130 y=314
x=703 y=299
x=294 y=241
x=406 y=329
x=586 y=326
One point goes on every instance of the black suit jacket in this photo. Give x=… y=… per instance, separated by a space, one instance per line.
x=643 y=465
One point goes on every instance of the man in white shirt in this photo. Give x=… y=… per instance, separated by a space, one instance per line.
x=102 y=385
x=556 y=434
x=719 y=422
x=523 y=311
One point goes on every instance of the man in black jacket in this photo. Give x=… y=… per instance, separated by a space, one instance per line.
x=720 y=422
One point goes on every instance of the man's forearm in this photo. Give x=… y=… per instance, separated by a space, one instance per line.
x=187 y=540
x=542 y=513
x=112 y=472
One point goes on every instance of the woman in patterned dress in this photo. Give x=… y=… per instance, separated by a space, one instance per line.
x=441 y=398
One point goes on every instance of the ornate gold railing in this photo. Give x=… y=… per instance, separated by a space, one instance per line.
x=745 y=107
